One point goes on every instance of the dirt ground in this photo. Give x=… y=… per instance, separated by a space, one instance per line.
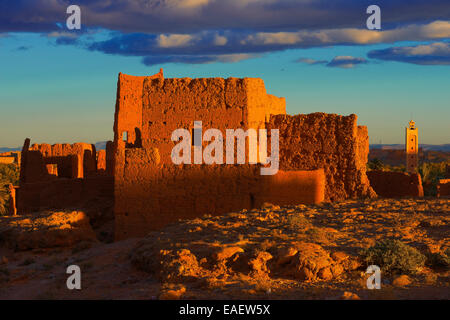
x=292 y=252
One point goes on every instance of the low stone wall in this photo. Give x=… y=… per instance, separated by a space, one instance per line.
x=443 y=188
x=396 y=184
x=7 y=160
x=95 y=194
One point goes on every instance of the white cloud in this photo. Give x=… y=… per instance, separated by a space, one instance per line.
x=346 y=62
x=192 y=4
x=437 y=53
x=266 y=38
x=65 y=34
x=220 y=40
x=174 y=40
x=230 y=58
x=433 y=30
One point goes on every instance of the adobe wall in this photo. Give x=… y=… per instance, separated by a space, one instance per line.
x=153 y=194
x=128 y=114
x=62 y=176
x=94 y=195
x=389 y=184
x=10 y=157
x=71 y=161
x=150 y=191
x=322 y=156
x=443 y=188
x=170 y=104
x=332 y=142
x=7 y=160
x=105 y=160
x=62 y=193
x=293 y=187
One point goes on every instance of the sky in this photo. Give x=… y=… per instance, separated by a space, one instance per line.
x=59 y=85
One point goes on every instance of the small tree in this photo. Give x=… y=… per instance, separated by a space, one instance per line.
x=375 y=164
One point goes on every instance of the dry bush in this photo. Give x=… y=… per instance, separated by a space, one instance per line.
x=393 y=256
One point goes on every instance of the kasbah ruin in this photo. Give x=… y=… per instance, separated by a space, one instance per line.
x=221 y=230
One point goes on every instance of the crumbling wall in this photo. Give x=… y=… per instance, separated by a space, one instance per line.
x=42 y=162
x=150 y=191
x=101 y=160
x=322 y=156
x=10 y=157
x=443 y=188
x=63 y=193
x=292 y=187
x=389 y=184
x=326 y=141
x=62 y=176
x=105 y=159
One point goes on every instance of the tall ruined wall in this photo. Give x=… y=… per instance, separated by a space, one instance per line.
x=169 y=104
x=389 y=184
x=128 y=114
x=105 y=160
x=322 y=156
x=329 y=141
x=150 y=191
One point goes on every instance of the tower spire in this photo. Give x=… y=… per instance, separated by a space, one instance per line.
x=412 y=147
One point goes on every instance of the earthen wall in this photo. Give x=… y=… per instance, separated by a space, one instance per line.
x=389 y=184
x=330 y=142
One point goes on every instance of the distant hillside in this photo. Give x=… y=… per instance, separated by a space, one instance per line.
x=396 y=157
x=101 y=145
x=425 y=147
x=2 y=150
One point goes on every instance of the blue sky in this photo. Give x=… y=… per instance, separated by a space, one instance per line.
x=59 y=86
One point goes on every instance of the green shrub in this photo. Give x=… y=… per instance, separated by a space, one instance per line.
x=431 y=173
x=393 y=256
x=9 y=173
x=375 y=164
x=297 y=221
x=439 y=259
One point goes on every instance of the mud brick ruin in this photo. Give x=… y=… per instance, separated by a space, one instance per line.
x=10 y=157
x=443 y=187
x=62 y=176
x=396 y=184
x=322 y=157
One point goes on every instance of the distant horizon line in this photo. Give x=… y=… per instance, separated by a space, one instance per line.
x=102 y=145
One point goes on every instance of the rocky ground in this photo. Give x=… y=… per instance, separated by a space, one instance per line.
x=292 y=252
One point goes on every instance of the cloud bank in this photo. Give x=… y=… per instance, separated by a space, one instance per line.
x=437 y=53
x=204 y=31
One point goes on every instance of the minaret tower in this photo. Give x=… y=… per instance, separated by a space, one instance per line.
x=412 y=148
